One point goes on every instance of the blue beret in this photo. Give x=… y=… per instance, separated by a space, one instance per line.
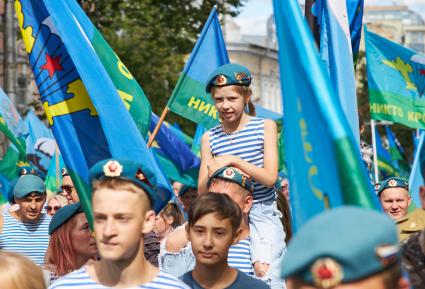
x=392 y=182
x=232 y=175
x=27 y=184
x=133 y=172
x=229 y=74
x=63 y=215
x=341 y=246
x=184 y=190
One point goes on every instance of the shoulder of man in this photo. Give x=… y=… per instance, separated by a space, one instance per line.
x=413 y=222
x=245 y=281
x=74 y=279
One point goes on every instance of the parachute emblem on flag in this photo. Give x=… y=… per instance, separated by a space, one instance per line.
x=418 y=63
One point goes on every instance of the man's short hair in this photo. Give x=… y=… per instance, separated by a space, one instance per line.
x=220 y=204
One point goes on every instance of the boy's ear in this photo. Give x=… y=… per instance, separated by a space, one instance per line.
x=149 y=223
x=236 y=236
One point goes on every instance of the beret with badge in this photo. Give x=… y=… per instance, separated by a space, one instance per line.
x=63 y=215
x=134 y=172
x=392 y=182
x=341 y=246
x=27 y=184
x=233 y=175
x=229 y=74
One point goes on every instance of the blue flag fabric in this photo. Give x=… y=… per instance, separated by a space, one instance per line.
x=355 y=19
x=394 y=145
x=396 y=81
x=189 y=98
x=416 y=180
x=174 y=147
x=41 y=144
x=321 y=155
x=11 y=116
x=89 y=120
x=336 y=52
x=387 y=167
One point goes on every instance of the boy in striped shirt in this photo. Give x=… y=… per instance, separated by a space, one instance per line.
x=213 y=226
x=123 y=199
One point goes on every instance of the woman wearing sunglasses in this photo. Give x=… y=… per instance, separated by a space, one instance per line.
x=55 y=203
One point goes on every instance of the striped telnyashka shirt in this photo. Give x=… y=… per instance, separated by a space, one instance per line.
x=28 y=239
x=248 y=144
x=239 y=257
x=81 y=279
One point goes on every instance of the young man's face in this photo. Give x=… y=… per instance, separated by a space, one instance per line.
x=120 y=220
x=30 y=207
x=395 y=202
x=211 y=239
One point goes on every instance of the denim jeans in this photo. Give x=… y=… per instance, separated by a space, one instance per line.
x=267 y=240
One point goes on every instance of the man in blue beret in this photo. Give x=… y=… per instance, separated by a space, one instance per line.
x=25 y=227
x=395 y=199
x=68 y=189
x=227 y=180
x=345 y=248
x=125 y=199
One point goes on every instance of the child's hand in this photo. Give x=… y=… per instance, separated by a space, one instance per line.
x=261 y=269
x=221 y=161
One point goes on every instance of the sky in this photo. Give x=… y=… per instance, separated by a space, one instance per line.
x=256 y=12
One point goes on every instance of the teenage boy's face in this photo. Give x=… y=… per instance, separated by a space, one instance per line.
x=211 y=239
x=120 y=220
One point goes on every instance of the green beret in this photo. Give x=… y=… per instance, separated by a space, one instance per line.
x=28 y=184
x=392 y=182
x=63 y=215
x=133 y=172
x=233 y=175
x=184 y=190
x=229 y=74
x=340 y=246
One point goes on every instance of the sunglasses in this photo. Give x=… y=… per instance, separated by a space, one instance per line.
x=67 y=189
x=54 y=209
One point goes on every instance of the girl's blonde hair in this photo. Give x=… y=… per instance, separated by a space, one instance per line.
x=61 y=200
x=246 y=92
x=20 y=272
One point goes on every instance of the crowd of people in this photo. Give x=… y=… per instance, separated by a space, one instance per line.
x=231 y=231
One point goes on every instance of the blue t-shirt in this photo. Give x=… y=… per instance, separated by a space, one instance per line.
x=242 y=281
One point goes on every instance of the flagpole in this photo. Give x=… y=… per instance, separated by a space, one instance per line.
x=375 y=154
x=158 y=126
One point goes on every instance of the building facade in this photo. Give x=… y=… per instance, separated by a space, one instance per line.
x=397 y=23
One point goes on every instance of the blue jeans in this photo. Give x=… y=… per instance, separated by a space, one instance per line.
x=267 y=240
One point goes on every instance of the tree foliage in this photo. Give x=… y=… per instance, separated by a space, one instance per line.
x=153 y=38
